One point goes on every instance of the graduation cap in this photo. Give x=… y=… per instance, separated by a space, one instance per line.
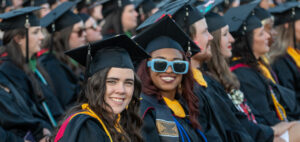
x=98 y=2
x=286 y=12
x=209 y=5
x=242 y=19
x=181 y=11
x=214 y=21
x=112 y=5
x=262 y=14
x=20 y=18
x=34 y=3
x=60 y=18
x=165 y=33
x=144 y=6
x=119 y=51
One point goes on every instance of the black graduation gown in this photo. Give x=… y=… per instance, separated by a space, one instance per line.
x=84 y=128
x=257 y=93
x=259 y=132
x=20 y=80
x=211 y=124
x=15 y=114
x=149 y=130
x=233 y=128
x=64 y=80
x=288 y=74
x=7 y=136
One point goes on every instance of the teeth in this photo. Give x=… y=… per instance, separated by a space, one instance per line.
x=117 y=100
x=167 y=78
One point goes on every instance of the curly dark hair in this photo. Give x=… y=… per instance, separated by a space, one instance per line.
x=187 y=90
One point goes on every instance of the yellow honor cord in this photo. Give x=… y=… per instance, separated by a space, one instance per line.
x=175 y=106
x=295 y=54
x=93 y=114
x=266 y=72
x=198 y=76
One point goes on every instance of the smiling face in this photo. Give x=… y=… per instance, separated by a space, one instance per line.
x=166 y=81
x=225 y=42
x=260 y=42
x=202 y=38
x=119 y=88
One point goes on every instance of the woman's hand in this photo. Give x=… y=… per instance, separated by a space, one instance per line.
x=281 y=127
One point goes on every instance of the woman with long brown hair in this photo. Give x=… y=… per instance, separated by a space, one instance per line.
x=168 y=97
x=227 y=84
x=112 y=91
x=66 y=31
x=27 y=80
x=251 y=44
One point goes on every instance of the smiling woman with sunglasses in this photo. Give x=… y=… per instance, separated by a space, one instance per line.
x=169 y=108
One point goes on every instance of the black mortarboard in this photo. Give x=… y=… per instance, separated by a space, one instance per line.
x=165 y=33
x=34 y=3
x=214 y=21
x=144 y=6
x=119 y=51
x=242 y=19
x=112 y=5
x=60 y=18
x=181 y=11
x=286 y=12
x=18 y=18
x=262 y=14
x=84 y=16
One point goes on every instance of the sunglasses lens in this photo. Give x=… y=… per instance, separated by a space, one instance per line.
x=179 y=67
x=160 y=65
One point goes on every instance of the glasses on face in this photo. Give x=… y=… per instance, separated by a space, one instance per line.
x=79 y=32
x=161 y=65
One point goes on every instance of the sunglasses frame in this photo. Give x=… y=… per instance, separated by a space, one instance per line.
x=169 y=63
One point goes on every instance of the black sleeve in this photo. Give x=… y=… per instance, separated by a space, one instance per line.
x=288 y=74
x=6 y=136
x=83 y=128
x=149 y=131
x=90 y=131
x=257 y=94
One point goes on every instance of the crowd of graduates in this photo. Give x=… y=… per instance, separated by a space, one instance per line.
x=149 y=70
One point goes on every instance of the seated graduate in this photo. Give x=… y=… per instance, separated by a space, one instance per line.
x=251 y=43
x=285 y=52
x=111 y=92
x=228 y=85
x=120 y=18
x=169 y=108
x=22 y=40
x=145 y=9
x=212 y=126
x=66 y=31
